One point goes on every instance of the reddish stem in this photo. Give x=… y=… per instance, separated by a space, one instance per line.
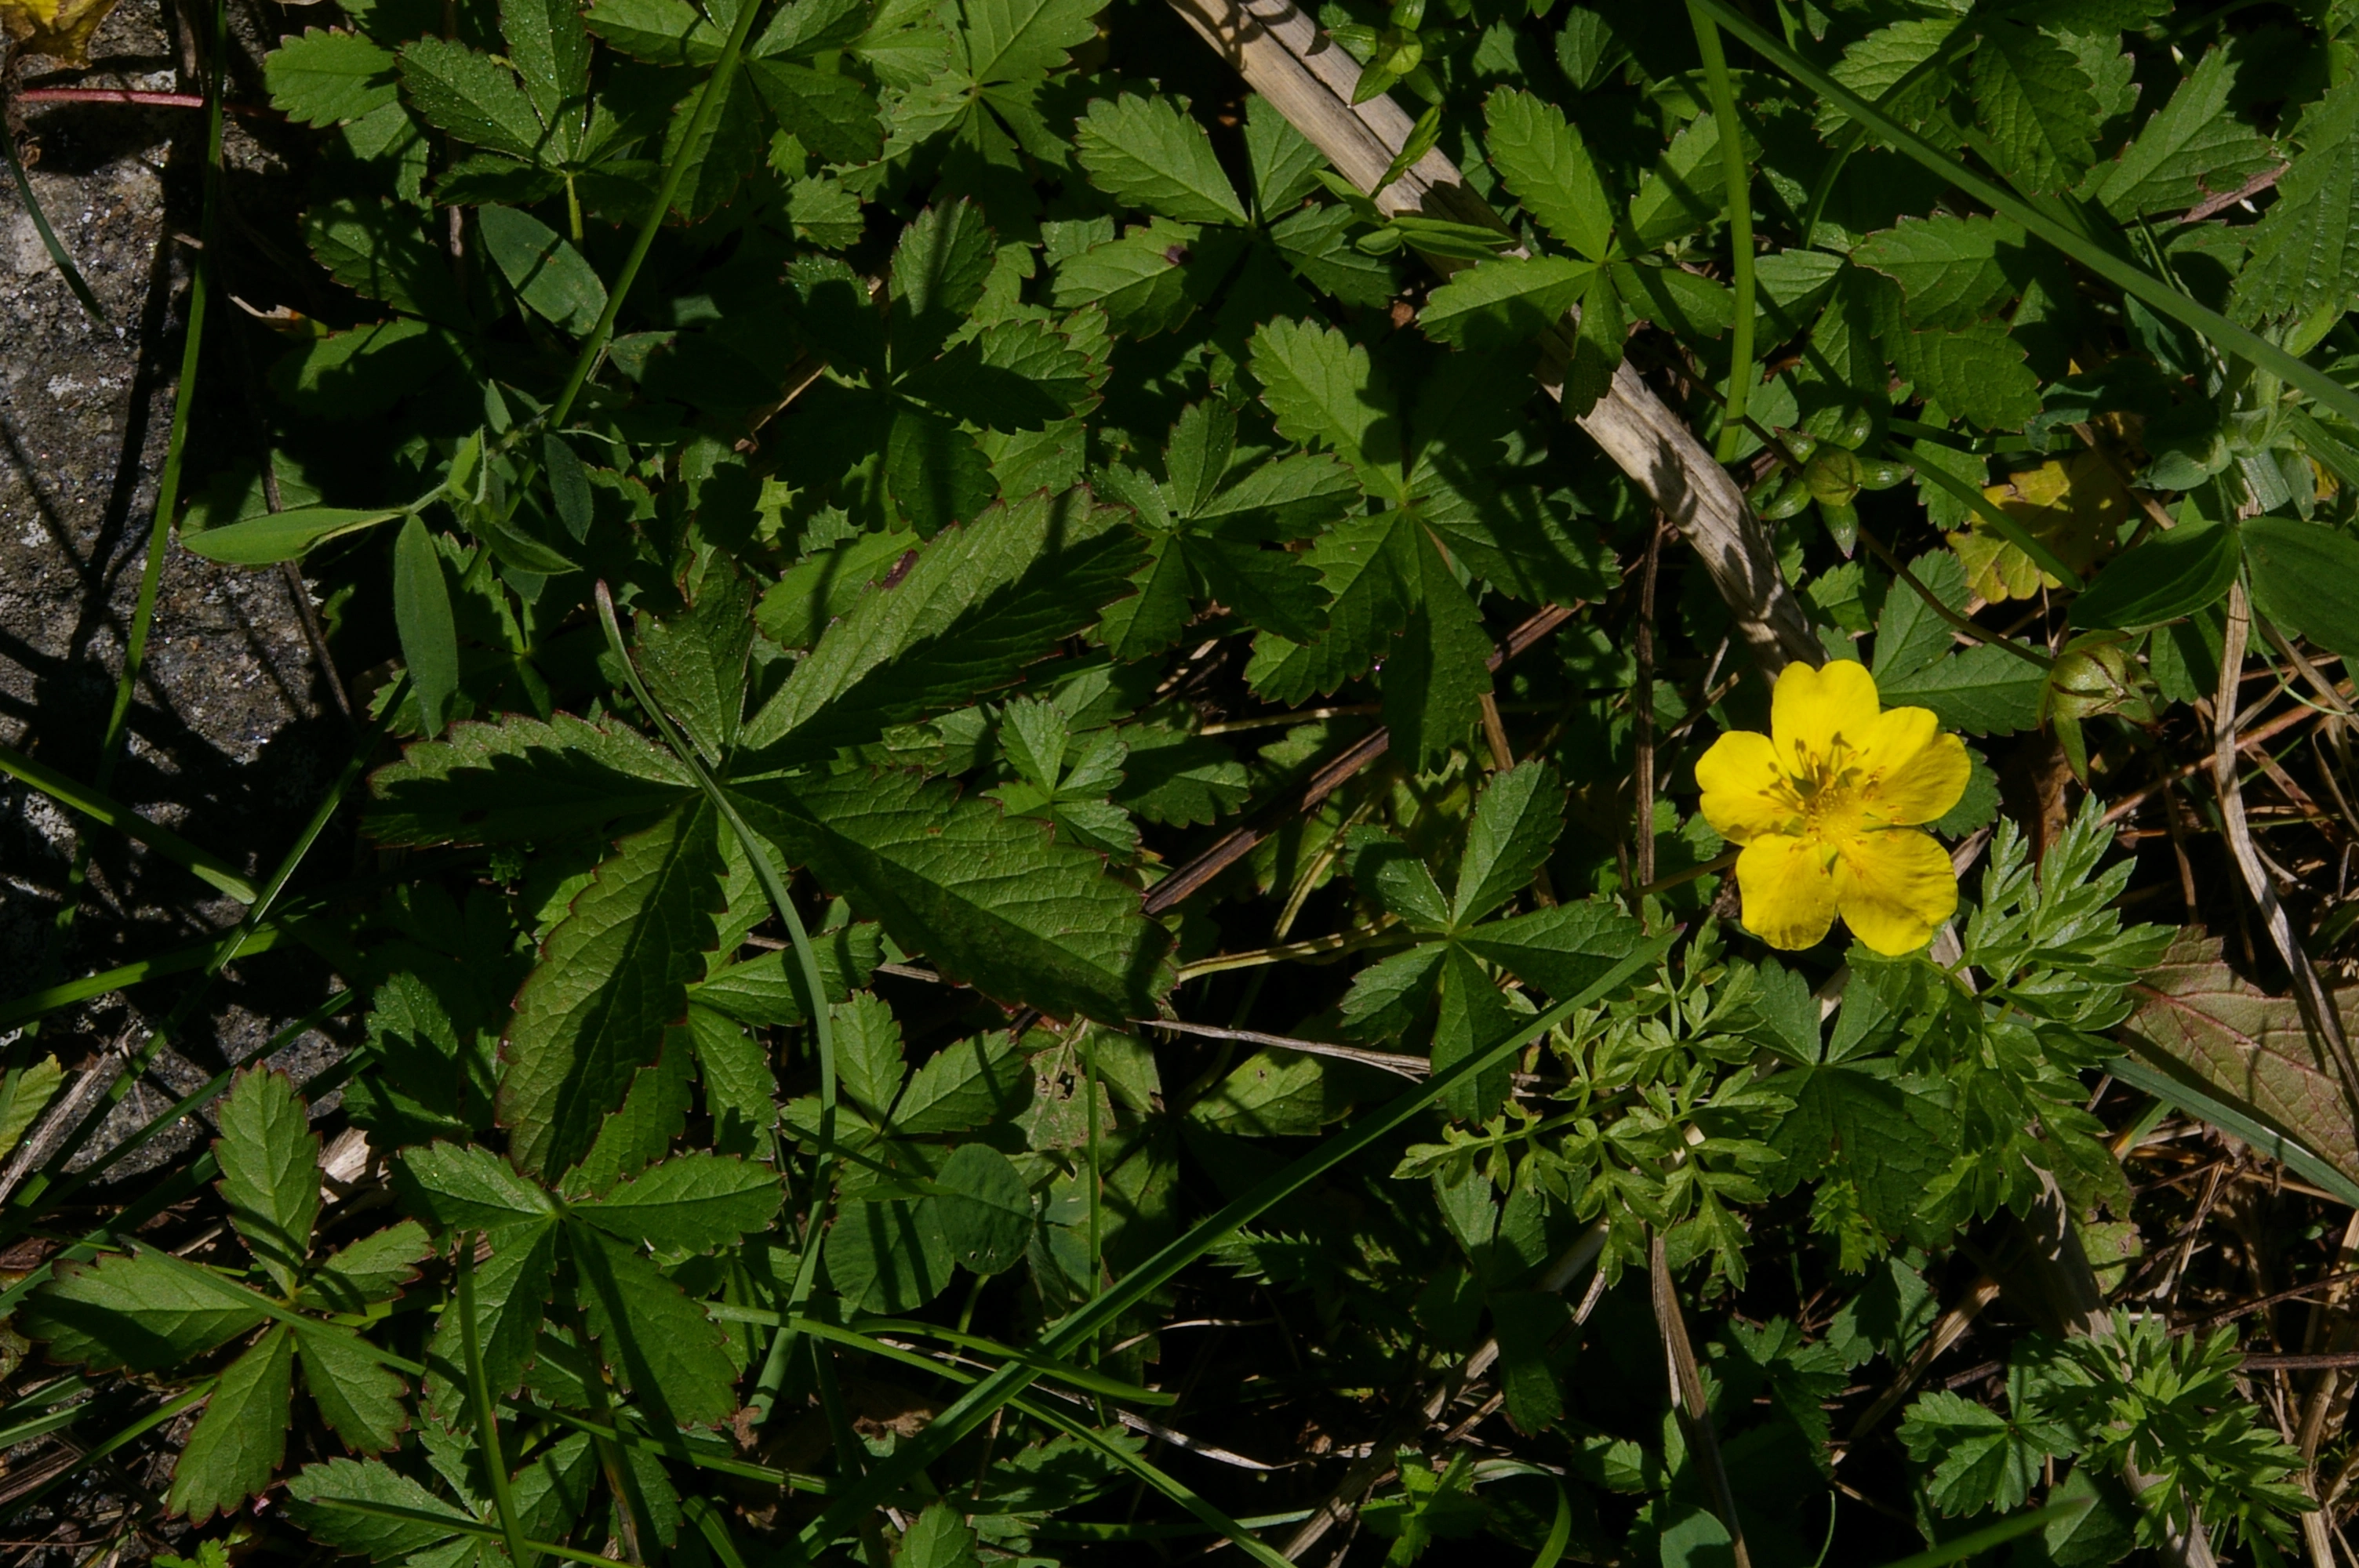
x=138 y=99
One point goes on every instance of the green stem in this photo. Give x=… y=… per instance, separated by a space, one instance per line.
x=1735 y=174
x=487 y=1419
x=716 y=88
x=2244 y=343
x=59 y=257
x=766 y=871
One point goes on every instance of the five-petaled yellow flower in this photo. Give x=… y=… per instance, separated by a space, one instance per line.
x=1828 y=807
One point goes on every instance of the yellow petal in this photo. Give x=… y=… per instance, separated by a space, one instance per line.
x=1745 y=793
x=1789 y=898
x=1810 y=707
x=1895 y=888
x=1926 y=785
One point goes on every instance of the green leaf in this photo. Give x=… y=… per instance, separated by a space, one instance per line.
x=328 y=79
x=358 y=1395
x=939 y=267
x=766 y=991
x=659 y=1345
x=1140 y=280
x=234 y=1448
x=1502 y=302
x=2306 y=246
x=969 y=1084
x=1685 y=190
x=521 y=778
x=133 y=1311
x=1977 y=371
x=547 y=272
x=991 y=900
x=466 y=1186
x=1173 y=777
x=2193 y=147
x=718 y=161
x=1597 y=346
x=311 y=1491
x=888 y=1257
x=694 y=1201
x=1322 y=387
x=938 y=1538
x=1316 y=243
x=1982 y=690
x=1020 y=41
x=2306 y=579
x=641 y=1130
x=550 y=52
x=280 y=535
x=1515 y=824
x=1273 y=1093
x=825 y=586
x=1542 y=157
x=1947 y=266
x=378 y=249
x=1983 y=1460
x=471 y=96
x=1561 y=950
x=869 y=1066
x=372 y=1270
x=1366 y=567
x=421 y=615
x=2169 y=576
x=1879 y=62
x=983 y=602
x=270 y=1171
x=1150 y=153
x=986 y=1214
x=1436 y=678
x=613 y=974
x=1283 y=162
x=831 y=114
x=1888 y=1138
x=694 y=662
x=24 y=1093
x=1526 y=1323
x=511 y=1305
x=2032 y=96
x=661 y=32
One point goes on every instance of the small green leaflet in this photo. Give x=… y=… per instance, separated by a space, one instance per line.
x=2306 y=246
x=547 y=272
x=285 y=536
x=1150 y=153
x=1544 y=162
x=2192 y=148
x=1506 y=300
x=328 y=79
x=1948 y=267
x=2034 y=99
x=421 y=614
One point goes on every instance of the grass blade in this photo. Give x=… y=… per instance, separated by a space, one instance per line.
x=1990 y=1535
x=105 y=809
x=58 y=257
x=2225 y=334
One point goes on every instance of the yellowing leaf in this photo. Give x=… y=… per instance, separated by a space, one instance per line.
x=2074 y=507
x=57 y=29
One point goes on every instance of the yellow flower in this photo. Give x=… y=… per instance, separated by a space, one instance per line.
x=1828 y=805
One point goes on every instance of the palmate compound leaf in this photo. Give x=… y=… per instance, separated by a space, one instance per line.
x=1149 y=152
x=1369 y=571
x=235 y=1447
x=983 y=602
x=270 y=1171
x=522 y=778
x=697 y=1201
x=990 y=900
x=613 y=975
x=1018 y=40
x=2196 y=1018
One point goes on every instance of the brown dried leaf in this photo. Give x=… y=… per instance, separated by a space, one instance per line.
x=2196 y=1016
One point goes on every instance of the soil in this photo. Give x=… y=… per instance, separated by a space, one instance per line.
x=234 y=732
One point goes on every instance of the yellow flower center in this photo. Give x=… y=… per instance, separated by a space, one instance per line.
x=1828 y=796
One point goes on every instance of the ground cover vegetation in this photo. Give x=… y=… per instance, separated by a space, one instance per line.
x=1092 y=826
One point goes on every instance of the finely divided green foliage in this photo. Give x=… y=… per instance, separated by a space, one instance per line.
x=1056 y=540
